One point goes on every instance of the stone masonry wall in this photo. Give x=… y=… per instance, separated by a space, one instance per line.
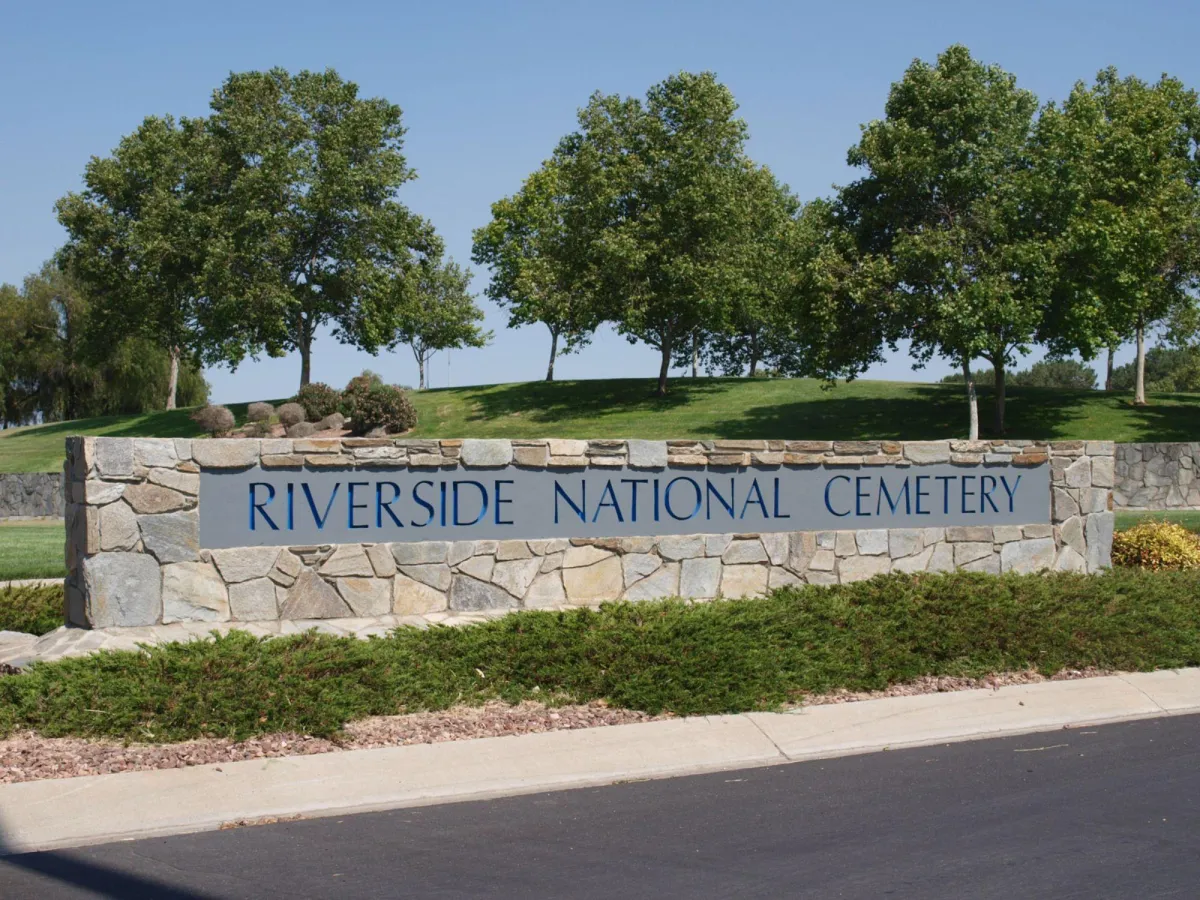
x=1157 y=476
x=31 y=495
x=133 y=552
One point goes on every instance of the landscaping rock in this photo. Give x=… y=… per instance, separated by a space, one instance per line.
x=487 y=453
x=746 y=551
x=172 y=537
x=244 y=563
x=366 y=596
x=193 y=592
x=595 y=583
x=516 y=575
x=860 y=568
x=122 y=589
x=469 y=595
x=546 y=591
x=872 y=541
x=151 y=499
x=118 y=527
x=155 y=453
x=311 y=597
x=347 y=560
x=437 y=575
x=662 y=583
x=382 y=562
x=411 y=598
x=675 y=547
x=700 y=578
x=114 y=457
x=416 y=554
x=639 y=565
x=253 y=601
x=647 y=454
x=1027 y=557
x=225 y=453
x=743 y=581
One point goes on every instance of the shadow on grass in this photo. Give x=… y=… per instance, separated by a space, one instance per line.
x=552 y=402
x=937 y=412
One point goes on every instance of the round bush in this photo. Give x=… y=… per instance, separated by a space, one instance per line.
x=214 y=419
x=383 y=406
x=291 y=414
x=1156 y=545
x=319 y=400
x=259 y=412
x=357 y=388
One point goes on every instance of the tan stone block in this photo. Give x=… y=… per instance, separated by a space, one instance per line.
x=744 y=581
x=411 y=598
x=596 y=583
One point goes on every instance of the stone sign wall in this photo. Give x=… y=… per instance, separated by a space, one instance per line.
x=1157 y=476
x=31 y=495
x=134 y=553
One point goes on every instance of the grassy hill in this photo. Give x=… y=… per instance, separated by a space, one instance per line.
x=702 y=408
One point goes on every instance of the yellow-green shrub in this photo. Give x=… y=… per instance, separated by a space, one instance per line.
x=1156 y=545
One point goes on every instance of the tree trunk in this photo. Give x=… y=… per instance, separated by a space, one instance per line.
x=998 y=423
x=973 y=406
x=664 y=367
x=173 y=378
x=695 y=356
x=305 y=356
x=553 y=354
x=1139 y=390
x=753 y=365
x=1108 y=371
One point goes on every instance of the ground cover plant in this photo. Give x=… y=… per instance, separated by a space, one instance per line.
x=1157 y=545
x=33 y=609
x=31 y=550
x=703 y=408
x=673 y=657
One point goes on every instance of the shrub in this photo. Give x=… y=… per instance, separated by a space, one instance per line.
x=214 y=419
x=1156 y=545
x=356 y=389
x=318 y=400
x=291 y=414
x=260 y=412
x=383 y=406
x=33 y=609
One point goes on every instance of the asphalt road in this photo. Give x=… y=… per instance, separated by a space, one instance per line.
x=1091 y=813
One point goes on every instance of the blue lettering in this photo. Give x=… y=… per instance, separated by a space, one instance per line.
x=421 y=501
x=352 y=506
x=500 y=501
x=442 y=491
x=778 y=514
x=381 y=506
x=483 y=502
x=987 y=484
x=828 y=487
x=945 y=480
x=610 y=502
x=655 y=499
x=319 y=519
x=754 y=492
x=259 y=506
x=921 y=495
x=580 y=509
x=667 y=497
x=859 y=496
x=893 y=504
x=291 y=506
x=965 y=494
x=1012 y=492
x=711 y=491
x=633 y=495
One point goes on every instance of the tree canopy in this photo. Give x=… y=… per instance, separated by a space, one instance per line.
x=438 y=312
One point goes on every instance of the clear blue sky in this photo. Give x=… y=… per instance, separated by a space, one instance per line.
x=488 y=88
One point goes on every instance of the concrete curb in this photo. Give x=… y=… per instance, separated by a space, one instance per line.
x=43 y=815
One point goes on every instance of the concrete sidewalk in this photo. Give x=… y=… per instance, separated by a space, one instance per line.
x=70 y=812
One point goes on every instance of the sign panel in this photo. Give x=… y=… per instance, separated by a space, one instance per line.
x=258 y=507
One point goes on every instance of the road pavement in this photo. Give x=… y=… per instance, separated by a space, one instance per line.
x=1104 y=812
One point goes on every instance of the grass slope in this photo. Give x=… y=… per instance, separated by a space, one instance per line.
x=704 y=408
x=708 y=658
x=31 y=550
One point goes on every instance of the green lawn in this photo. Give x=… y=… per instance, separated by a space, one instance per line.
x=29 y=550
x=708 y=658
x=1189 y=518
x=703 y=408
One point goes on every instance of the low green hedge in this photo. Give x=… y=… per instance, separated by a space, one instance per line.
x=666 y=656
x=34 y=609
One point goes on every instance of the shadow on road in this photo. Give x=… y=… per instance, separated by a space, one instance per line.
x=64 y=868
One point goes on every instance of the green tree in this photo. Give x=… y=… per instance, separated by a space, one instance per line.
x=438 y=312
x=137 y=238
x=1165 y=368
x=945 y=203
x=529 y=252
x=753 y=329
x=651 y=190
x=312 y=233
x=1118 y=174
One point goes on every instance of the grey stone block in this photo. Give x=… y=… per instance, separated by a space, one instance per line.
x=469 y=595
x=487 y=453
x=172 y=537
x=194 y=592
x=648 y=454
x=122 y=589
